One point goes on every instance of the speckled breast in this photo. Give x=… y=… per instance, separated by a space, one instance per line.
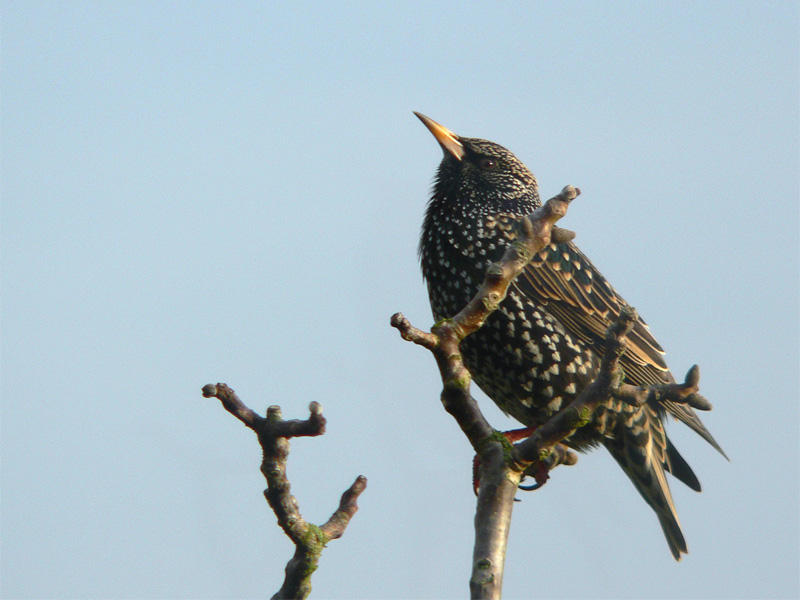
x=522 y=357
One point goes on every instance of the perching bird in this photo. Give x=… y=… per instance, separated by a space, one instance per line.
x=543 y=344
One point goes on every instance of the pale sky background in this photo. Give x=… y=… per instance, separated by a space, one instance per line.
x=202 y=192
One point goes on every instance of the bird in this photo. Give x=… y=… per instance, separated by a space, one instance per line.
x=543 y=344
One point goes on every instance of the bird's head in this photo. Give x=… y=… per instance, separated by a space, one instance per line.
x=482 y=172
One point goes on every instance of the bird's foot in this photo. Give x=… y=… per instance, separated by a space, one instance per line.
x=512 y=436
x=540 y=472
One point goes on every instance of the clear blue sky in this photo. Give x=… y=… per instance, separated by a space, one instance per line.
x=202 y=192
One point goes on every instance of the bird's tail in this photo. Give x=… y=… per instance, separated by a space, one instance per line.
x=642 y=449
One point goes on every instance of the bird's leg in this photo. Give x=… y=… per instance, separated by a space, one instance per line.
x=516 y=435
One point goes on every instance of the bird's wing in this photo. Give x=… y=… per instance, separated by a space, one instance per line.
x=574 y=291
x=561 y=278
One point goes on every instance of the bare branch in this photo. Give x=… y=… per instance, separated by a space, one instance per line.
x=680 y=393
x=273 y=435
x=232 y=404
x=498 y=485
x=335 y=526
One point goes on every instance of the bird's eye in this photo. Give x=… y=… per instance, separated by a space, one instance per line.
x=487 y=164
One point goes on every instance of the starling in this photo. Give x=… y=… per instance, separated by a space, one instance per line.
x=543 y=344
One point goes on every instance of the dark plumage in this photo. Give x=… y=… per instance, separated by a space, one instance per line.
x=541 y=347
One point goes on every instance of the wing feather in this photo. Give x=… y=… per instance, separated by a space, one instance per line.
x=564 y=280
x=575 y=292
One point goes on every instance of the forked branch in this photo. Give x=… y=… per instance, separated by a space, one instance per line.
x=273 y=435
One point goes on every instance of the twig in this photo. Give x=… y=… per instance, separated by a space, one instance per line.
x=680 y=393
x=273 y=435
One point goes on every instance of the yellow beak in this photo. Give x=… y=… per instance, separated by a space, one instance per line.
x=446 y=138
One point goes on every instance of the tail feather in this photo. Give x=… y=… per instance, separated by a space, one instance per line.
x=674 y=535
x=685 y=414
x=679 y=468
x=642 y=449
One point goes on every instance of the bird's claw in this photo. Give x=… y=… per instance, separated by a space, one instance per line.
x=539 y=472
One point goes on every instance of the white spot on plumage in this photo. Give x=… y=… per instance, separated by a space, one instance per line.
x=518 y=356
x=571 y=345
x=535 y=352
